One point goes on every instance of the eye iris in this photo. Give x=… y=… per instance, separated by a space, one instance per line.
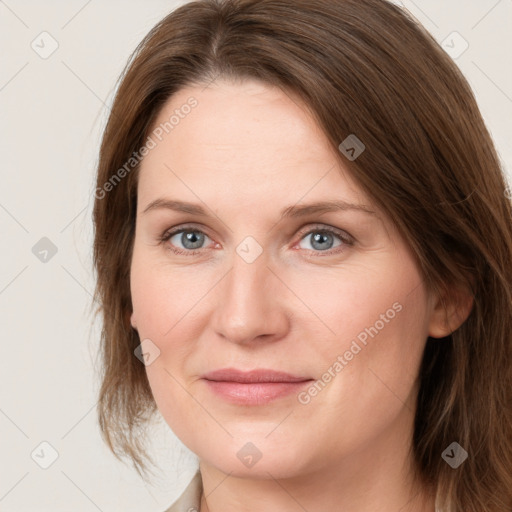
x=194 y=237
x=320 y=238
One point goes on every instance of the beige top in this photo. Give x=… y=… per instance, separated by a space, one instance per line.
x=190 y=499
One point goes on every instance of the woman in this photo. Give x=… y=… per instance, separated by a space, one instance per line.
x=303 y=246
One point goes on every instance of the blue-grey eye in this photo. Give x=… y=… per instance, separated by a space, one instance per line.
x=189 y=239
x=321 y=240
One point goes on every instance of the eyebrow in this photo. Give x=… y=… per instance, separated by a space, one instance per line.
x=293 y=211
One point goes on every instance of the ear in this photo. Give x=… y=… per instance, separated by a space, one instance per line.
x=132 y=320
x=450 y=311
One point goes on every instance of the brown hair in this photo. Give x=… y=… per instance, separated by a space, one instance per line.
x=361 y=67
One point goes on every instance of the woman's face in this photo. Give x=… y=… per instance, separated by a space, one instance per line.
x=253 y=276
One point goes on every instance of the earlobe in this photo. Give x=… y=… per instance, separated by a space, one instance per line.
x=132 y=321
x=450 y=312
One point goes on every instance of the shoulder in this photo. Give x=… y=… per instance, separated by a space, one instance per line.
x=190 y=499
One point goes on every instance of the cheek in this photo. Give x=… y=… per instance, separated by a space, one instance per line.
x=166 y=304
x=351 y=303
x=371 y=366
x=374 y=328
x=161 y=296
x=162 y=302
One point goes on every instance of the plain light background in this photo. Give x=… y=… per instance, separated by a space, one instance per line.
x=52 y=112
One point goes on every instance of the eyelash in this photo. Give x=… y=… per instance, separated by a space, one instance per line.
x=345 y=239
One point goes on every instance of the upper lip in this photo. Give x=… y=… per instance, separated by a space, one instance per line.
x=258 y=375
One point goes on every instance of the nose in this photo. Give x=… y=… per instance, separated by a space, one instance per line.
x=250 y=303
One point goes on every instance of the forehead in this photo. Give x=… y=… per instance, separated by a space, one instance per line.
x=247 y=138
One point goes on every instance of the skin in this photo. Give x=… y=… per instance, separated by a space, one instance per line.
x=246 y=152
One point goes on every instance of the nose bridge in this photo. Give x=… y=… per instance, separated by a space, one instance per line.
x=246 y=289
x=247 y=304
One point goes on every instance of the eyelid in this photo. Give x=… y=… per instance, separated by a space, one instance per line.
x=342 y=234
x=185 y=227
x=169 y=233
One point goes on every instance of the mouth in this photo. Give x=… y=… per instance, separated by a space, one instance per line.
x=255 y=387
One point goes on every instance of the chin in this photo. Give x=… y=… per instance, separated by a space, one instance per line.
x=255 y=460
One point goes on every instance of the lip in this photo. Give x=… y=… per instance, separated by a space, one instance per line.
x=255 y=387
x=252 y=376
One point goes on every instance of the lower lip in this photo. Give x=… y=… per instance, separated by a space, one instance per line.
x=256 y=393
